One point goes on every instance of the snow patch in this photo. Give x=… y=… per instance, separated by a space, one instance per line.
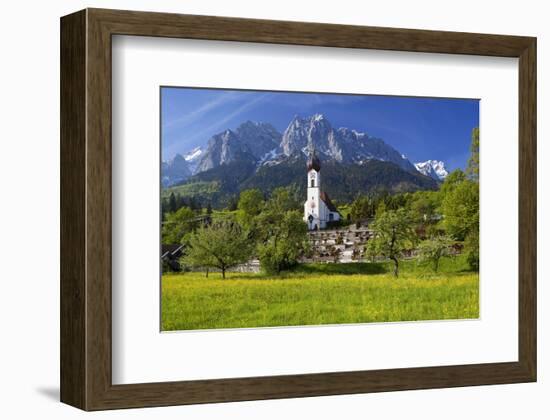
x=193 y=154
x=272 y=154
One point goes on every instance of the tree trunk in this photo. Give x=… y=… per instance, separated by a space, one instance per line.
x=207 y=272
x=223 y=273
x=396 y=266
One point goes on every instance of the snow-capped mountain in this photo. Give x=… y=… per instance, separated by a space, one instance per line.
x=250 y=142
x=193 y=155
x=256 y=155
x=342 y=145
x=432 y=168
x=262 y=144
x=175 y=171
x=193 y=158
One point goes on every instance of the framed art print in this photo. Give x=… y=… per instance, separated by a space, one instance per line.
x=262 y=209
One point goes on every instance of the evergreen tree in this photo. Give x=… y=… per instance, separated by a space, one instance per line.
x=172 y=204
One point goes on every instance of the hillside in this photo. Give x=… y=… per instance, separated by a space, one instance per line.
x=343 y=182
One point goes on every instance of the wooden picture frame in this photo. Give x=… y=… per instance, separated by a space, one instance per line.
x=86 y=360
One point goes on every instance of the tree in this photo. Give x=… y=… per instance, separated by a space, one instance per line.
x=282 y=199
x=209 y=209
x=433 y=249
x=472 y=170
x=233 y=203
x=471 y=245
x=172 y=205
x=362 y=208
x=460 y=209
x=222 y=245
x=177 y=225
x=251 y=202
x=393 y=234
x=282 y=239
x=424 y=205
x=451 y=181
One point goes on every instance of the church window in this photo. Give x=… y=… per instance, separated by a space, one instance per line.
x=312 y=183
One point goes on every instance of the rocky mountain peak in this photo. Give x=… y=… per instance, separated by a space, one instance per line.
x=433 y=168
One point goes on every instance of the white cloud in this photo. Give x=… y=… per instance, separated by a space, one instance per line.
x=220 y=124
x=190 y=117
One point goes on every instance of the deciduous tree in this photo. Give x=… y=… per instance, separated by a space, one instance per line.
x=393 y=234
x=251 y=202
x=222 y=245
x=433 y=249
x=460 y=209
x=282 y=239
x=177 y=225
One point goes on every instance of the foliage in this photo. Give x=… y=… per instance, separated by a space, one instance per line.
x=460 y=208
x=251 y=202
x=342 y=181
x=455 y=178
x=424 y=206
x=282 y=239
x=363 y=207
x=222 y=245
x=435 y=248
x=283 y=199
x=471 y=245
x=178 y=225
x=393 y=234
x=472 y=171
x=190 y=195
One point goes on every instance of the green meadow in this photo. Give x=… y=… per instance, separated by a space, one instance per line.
x=314 y=294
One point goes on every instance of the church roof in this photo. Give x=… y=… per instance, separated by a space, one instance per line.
x=326 y=199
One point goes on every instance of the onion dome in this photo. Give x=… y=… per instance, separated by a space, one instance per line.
x=313 y=162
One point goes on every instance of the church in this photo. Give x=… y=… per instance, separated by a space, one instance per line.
x=318 y=209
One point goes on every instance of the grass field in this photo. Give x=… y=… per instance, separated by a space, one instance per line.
x=192 y=189
x=320 y=294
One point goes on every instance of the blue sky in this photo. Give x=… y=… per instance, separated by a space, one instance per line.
x=421 y=128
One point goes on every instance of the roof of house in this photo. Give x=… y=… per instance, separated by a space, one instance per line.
x=326 y=199
x=172 y=250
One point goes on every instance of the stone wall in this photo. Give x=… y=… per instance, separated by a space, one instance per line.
x=338 y=245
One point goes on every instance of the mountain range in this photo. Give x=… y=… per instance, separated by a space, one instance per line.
x=432 y=168
x=257 y=155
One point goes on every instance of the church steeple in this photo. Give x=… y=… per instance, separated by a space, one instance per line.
x=313 y=161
